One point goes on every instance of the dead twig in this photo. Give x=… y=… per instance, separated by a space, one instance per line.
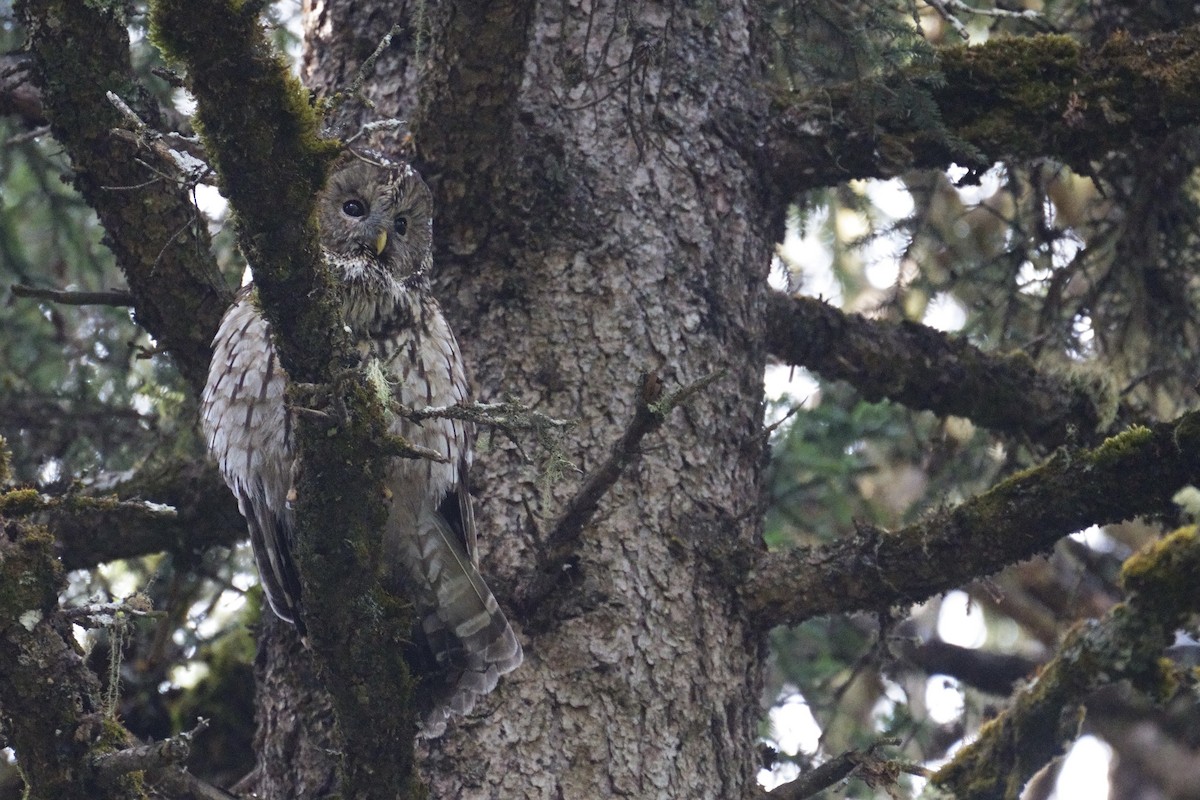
x=650 y=412
x=70 y=298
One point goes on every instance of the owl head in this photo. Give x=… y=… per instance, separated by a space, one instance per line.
x=377 y=222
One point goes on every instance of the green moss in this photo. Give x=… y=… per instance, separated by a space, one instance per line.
x=1162 y=577
x=19 y=502
x=262 y=134
x=1121 y=446
x=1023 y=82
x=31 y=574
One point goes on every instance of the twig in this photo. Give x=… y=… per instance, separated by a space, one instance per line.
x=946 y=9
x=111 y=766
x=829 y=773
x=649 y=414
x=170 y=76
x=109 y=298
x=101 y=615
x=187 y=154
x=22 y=502
x=128 y=113
x=583 y=505
x=369 y=65
x=398 y=446
x=27 y=136
x=509 y=416
x=338 y=99
x=390 y=124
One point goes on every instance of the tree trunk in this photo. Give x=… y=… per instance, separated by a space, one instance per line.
x=591 y=226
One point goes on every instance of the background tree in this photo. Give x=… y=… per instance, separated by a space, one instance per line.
x=614 y=184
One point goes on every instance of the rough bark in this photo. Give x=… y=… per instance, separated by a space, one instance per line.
x=591 y=227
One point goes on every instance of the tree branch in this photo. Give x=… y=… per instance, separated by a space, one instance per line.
x=875 y=769
x=991 y=672
x=923 y=368
x=1132 y=474
x=261 y=133
x=140 y=758
x=1125 y=645
x=80 y=52
x=113 y=298
x=206 y=516
x=50 y=702
x=1021 y=97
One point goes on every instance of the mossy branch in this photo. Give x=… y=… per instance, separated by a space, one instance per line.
x=1127 y=644
x=260 y=131
x=1132 y=474
x=22 y=502
x=1020 y=97
x=923 y=368
x=261 y=134
x=206 y=516
x=50 y=701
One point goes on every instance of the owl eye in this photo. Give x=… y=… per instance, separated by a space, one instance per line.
x=400 y=225
x=354 y=208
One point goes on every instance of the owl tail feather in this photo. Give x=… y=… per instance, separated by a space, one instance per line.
x=271 y=540
x=468 y=637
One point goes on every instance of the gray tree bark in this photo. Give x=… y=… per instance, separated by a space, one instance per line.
x=591 y=226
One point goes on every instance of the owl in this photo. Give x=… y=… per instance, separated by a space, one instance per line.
x=376 y=220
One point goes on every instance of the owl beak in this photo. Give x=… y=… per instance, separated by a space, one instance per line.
x=380 y=243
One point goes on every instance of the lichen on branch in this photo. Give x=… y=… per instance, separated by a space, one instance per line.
x=1132 y=474
x=1012 y=97
x=1126 y=644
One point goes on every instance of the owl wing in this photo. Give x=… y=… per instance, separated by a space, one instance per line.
x=456 y=508
x=271 y=534
x=248 y=430
x=463 y=641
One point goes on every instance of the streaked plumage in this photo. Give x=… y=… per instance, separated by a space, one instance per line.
x=376 y=221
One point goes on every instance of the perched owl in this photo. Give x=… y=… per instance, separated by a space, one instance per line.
x=376 y=235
